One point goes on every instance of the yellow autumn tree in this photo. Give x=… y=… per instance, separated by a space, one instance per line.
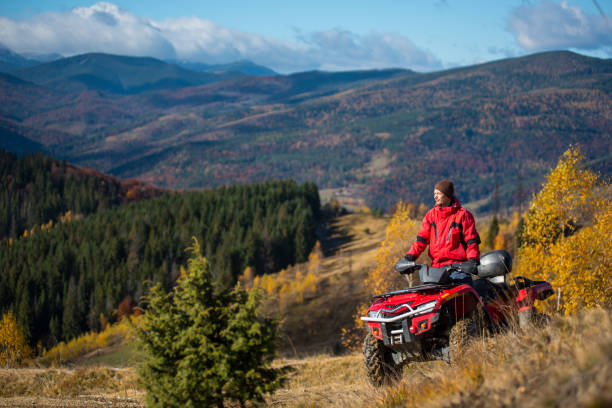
x=14 y=349
x=315 y=258
x=400 y=233
x=567 y=236
x=505 y=235
x=247 y=278
x=291 y=286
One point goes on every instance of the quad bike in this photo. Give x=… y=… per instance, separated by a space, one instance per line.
x=433 y=320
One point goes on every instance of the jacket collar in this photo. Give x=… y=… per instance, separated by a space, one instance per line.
x=454 y=206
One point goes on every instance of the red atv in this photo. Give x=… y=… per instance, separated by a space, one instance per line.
x=433 y=320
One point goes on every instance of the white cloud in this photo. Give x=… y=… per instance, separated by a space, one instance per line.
x=104 y=27
x=339 y=48
x=546 y=25
x=202 y=40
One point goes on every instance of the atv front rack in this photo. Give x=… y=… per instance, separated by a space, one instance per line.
x=421 y=309
x=412 y=289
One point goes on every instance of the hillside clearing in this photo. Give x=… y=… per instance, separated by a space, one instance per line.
x=314 y=324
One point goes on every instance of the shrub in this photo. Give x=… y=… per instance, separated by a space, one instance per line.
x=506 y=235
x=204 y=346
x=14 y=349
x=492 y=232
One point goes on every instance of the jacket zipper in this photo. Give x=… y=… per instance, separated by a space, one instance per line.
x=449 y=233
x=435 y=230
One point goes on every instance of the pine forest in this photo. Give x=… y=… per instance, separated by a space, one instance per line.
x=66 y=277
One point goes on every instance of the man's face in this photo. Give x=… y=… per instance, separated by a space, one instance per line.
x=441 y=198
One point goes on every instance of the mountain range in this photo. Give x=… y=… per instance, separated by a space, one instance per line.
x=243 y=66
x=382 y=135
x=115 y=74
x=11 y=61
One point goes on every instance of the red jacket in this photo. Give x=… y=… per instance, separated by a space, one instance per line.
x=450 y=233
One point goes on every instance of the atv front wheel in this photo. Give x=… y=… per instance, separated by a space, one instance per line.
x=379 y=362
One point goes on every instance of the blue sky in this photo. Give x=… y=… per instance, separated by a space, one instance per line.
x=423 y=35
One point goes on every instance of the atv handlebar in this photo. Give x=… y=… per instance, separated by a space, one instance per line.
x=470 y=267
x=405 y=267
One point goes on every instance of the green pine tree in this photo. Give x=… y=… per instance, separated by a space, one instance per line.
x=205 y=346
x=492 y=232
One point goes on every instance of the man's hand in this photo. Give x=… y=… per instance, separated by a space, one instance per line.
x=405 y=264
x=409 y=257
x=470 y=266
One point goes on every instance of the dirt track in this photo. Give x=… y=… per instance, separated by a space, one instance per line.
x=80 y=401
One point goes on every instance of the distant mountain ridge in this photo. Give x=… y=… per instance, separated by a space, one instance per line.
x=243 y=66
x=112 y=73
x=383 y=134
x=10 y=60
x=14 y=142
x=119 y=74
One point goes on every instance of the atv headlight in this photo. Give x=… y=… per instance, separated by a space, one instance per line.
x=426 y=307
x=373 y=313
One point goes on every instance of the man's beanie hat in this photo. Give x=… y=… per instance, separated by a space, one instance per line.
x=446 y=186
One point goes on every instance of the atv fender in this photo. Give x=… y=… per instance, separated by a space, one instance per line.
x=527 y=295
x=462 y=301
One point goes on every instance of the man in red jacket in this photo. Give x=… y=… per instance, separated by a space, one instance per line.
x=449 y=230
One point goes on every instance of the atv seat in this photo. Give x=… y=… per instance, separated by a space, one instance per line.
x=522 y=282
x=488 y=290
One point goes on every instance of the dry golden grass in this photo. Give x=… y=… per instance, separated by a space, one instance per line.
x=80 y=387
x=567 y=363
x=323 y=381
x=82 y=401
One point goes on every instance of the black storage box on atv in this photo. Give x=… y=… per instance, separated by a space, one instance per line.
x=495 y=263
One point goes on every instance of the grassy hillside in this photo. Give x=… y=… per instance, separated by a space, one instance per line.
x=566 y=363
x=314 y=324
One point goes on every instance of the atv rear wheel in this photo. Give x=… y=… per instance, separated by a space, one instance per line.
x=470 y=327
x=531 y=317
x=379 y=363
